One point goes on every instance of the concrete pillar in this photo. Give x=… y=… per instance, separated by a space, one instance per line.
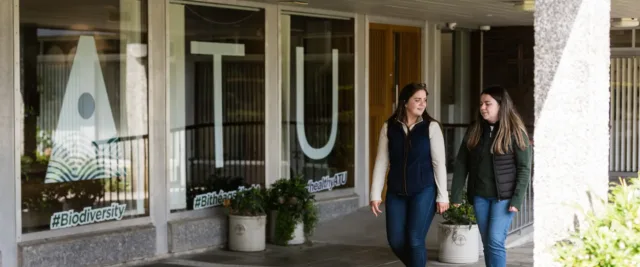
x=274 y=150
x=158 y=124
x=431 y=45
x=461 y=84
x=8 y=196
x=572 y=114
x=362 y=174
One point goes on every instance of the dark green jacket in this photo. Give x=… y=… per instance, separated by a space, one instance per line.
x=479 y=163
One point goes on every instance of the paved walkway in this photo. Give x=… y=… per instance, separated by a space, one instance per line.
x=358 y=239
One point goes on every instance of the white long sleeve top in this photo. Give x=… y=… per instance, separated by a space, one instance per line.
x=437 y=157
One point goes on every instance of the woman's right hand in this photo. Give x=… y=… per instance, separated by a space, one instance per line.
x=375 y=207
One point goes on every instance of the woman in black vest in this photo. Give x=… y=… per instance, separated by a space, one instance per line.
x=411 y=147
x=496 y=156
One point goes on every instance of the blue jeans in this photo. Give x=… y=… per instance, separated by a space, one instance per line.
x=408 y=221
x=494 y=219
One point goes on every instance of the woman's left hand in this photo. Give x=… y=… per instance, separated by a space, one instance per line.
x=441 y=207
x=513 y=209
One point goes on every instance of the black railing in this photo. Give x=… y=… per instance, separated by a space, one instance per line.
x=243 y=151
x=340 y=159
x=130 y=184
x=244 y=155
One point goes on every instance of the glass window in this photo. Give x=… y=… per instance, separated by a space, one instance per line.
x=216 y=103
x=621 y=38
x=318 y=100
x=84 y=116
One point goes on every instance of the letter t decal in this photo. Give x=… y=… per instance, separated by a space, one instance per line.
x=217 y=50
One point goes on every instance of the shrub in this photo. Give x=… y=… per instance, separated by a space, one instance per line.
x=249 y=202
x=610 y=238
x=460 y=215
x=294 y=204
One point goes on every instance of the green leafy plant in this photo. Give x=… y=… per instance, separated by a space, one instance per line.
x=250 y=202
x=293 y=204
x=460 y=215
x=608 y=238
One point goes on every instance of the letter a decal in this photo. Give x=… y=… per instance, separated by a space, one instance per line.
x=85 y=140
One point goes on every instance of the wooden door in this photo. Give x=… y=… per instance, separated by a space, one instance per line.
x=394 y=60
x=409 y=55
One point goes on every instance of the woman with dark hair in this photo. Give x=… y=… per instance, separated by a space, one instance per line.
x=411 y=146
x=496 y=155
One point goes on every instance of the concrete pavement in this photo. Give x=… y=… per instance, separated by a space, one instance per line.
x=358 y=239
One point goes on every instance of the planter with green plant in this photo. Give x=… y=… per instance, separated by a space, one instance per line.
x=459 y=237
x=247 y=220
x=609 y=235
x=293 y=214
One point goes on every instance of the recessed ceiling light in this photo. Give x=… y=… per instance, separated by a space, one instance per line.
x=295 y=2
x=526 y=5
x=624 y=22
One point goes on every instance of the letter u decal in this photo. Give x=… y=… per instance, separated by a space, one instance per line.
x=311 y=152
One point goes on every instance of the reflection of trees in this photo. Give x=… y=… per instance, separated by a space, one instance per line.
x=40 y=200
x=30 y=95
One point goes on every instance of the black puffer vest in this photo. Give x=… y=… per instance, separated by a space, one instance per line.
x=410 y=164
x=504 y=168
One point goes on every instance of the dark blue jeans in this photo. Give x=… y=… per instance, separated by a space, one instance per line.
x=408 y=221
x=494 y=219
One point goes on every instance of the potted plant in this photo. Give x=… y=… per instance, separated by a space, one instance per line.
x=293 y=214
x=459 y=237
x=247 y=220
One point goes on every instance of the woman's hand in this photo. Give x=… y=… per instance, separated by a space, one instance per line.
x=375 y=207
x=441 y=207
x=513 y=209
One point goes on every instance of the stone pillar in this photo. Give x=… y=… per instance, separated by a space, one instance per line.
x=8 y=196
x=159 y=194
x=571 y=116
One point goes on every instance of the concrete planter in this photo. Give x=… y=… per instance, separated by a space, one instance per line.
x=298 y=232
x=458 y=243
x=247 y=233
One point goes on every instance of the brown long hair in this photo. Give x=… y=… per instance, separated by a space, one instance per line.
x=510 y=126
x=407 y=91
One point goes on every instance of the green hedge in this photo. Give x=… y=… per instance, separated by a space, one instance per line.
x=610 y=238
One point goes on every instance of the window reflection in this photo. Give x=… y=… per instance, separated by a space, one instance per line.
x=621 y=38
x=84 y=112
x=216 y=99
x=318 y=100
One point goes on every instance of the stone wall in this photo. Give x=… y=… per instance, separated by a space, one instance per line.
x=93 y=249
